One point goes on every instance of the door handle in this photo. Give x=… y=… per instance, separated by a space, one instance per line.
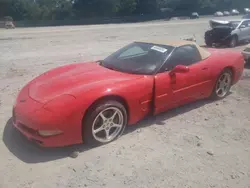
x=205 y=68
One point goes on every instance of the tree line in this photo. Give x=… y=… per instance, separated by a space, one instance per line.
x=78 y=9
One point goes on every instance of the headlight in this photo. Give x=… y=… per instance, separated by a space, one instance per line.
x=49 y=132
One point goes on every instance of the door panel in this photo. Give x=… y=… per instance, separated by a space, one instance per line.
x=192 y=85
x=163 y=92
x=244 y=33
x=181 y=88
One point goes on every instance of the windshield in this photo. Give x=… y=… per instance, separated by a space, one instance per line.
x=138 y=58
x=235 y=23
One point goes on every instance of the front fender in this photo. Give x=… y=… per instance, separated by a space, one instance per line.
x=135 y=93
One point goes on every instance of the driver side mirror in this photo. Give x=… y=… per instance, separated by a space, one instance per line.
x=180 y=69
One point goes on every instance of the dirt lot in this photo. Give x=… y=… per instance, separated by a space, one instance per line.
x=199 y=145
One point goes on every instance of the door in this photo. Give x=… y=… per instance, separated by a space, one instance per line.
x=244 y=31
x=192 y=85
x=172 y=90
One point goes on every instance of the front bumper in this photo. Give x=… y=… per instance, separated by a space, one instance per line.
x=32 y=135
x=68 y=137
x=29 y=117
x=222 y=41
x=217 y=39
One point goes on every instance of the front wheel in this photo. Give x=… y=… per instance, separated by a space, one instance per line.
x=233 y=42
x=104 y=123
x=223 y=84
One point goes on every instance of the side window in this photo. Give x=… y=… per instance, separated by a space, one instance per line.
x=184 y=55
x=246 y=23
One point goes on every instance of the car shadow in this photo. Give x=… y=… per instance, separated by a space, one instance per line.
x=162 y=117
x=29 y=152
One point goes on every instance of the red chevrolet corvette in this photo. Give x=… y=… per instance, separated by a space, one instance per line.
x=93 y=102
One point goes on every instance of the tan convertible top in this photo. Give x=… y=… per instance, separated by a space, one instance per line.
x=204 y=53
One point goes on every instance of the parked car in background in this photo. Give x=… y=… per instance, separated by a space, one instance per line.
x=218 y=14
x=9 y=25
x=228 y=33
x=246 y=53
x=226 y=13
x=247 y=10
x=235 y=12
x=194 y=15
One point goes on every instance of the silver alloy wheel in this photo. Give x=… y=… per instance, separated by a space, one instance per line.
x=107 y=124
x=223 y=84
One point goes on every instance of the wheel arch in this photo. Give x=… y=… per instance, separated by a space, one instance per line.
x=231 y=69
x=234 y=73
x=117 y=98
x=235 y=35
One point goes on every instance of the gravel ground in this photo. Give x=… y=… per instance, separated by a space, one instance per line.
x=203 y=144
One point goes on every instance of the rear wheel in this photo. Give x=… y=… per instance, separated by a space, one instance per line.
x=223 y=84
x=104 y=123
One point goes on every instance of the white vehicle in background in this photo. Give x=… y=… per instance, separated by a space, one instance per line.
x=226 y=13
x=9 y=25
x=218 y=14
x=246 y=53
x=195 y=15
x=235 y=12
x=247 y=10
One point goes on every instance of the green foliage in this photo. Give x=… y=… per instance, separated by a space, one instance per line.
x=77 y=9
x=127 y=7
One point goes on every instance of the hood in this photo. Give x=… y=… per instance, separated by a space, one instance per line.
x=63 y=80
x=219 y=23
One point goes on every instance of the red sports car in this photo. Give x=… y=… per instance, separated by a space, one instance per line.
x=93 y=102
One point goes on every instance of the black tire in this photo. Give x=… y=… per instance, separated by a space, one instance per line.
x=233 y=42
x=214 y=94
x=88 y=121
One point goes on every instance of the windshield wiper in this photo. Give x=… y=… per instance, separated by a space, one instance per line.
x=100 y=62
x=111 y=68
